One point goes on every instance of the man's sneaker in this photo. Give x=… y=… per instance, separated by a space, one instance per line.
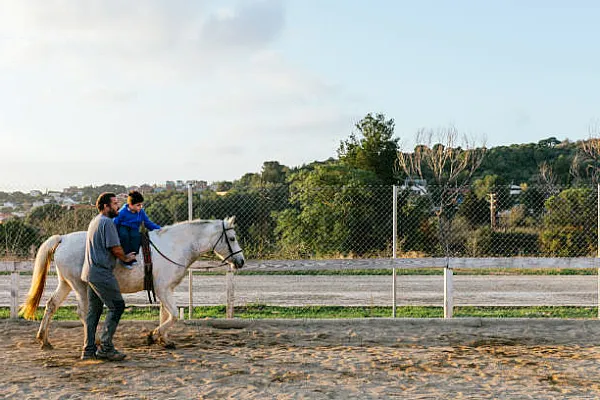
x=88 y=356
x=130 y=265
x=110 y=355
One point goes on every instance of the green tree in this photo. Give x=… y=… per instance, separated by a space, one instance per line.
x=48 y=213
x=493 y=184
x=273 y=172
x=18 y=239
x=372 y=147
x=335 y=211
x=569 y=225
x=475 y=210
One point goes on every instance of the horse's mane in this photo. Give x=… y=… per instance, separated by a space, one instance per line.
x=168 y=228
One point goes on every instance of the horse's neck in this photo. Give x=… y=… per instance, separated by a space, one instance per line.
x=186 y=241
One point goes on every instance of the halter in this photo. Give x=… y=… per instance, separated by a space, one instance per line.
x=231 y=252
x=223 y=234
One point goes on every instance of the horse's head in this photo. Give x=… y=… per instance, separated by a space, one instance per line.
x=227 y=246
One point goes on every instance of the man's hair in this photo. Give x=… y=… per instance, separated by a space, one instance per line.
x=104 y=199
x=135 y=197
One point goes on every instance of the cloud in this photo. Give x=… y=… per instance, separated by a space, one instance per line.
x=184 y=83
x=253 y=24
x=136 y=39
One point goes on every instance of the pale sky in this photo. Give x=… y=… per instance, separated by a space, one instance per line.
x=143 y=91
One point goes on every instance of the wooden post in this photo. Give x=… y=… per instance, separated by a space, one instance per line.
x=448 y=301
x=14 y=292
x=181 y=313
x=492 y=210
x=190 y=293
x=230 y=294
x=394 y=245
x=190 y=275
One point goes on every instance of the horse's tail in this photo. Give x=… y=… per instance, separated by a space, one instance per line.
x=38 y=280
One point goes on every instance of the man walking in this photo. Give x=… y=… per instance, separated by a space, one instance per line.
x=102 y=247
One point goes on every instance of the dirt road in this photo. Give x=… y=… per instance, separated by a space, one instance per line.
x=366 y=290
x=313 y=359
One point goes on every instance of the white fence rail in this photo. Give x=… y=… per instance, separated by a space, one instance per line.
x=16 y=267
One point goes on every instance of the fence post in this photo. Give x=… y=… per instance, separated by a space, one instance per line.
x=448 y=301
x=394 y=245
x=14 y=292
x=190 y=273
x=230 y=293
x=190 y=203
x=190 y=293
x=598 y=245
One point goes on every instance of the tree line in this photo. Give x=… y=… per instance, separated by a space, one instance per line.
x=342 y=206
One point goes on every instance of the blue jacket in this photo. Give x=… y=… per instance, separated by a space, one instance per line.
x=134 y=220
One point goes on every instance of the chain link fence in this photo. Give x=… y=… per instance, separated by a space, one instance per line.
x=283 y=222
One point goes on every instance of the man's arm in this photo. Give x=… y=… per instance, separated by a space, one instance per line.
x=118 y=252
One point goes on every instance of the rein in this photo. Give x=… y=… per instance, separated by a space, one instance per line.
x=165 y=257
x=223 y=234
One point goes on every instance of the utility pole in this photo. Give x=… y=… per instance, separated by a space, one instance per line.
x=492 y=201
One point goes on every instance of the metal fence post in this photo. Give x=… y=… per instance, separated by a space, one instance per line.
x=230 y=294
x=190 y=203
x=598 y=244
x=190 y=293
x=448 y=301
x=190 y=274
x=394 y=245
x=14 y=292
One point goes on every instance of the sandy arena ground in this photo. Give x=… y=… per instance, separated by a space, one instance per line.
x=313 y=359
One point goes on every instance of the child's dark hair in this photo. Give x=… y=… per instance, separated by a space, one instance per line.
x=104 y=199
x=135 y=197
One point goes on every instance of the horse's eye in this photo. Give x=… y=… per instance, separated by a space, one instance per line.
x=232 y=239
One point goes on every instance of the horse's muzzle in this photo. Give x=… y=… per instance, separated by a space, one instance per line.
x=238 y=263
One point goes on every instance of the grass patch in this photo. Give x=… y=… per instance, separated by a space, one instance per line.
x=261 y=311
x=422 y=271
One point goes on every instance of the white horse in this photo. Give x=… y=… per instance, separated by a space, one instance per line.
x=178 y=246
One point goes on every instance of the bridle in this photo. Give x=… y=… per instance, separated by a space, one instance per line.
x=223 y=235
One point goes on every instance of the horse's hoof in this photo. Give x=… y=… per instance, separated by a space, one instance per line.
x=46 y=346
x=170 y=346
x=150 y=339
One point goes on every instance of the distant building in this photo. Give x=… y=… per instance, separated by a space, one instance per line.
x=515 y=190
x=67 y=201
x=418 y=186
x=170 y=185
x=36 y=204
x=71 y=190
x=197 y=185
x=35 y=193
x=145 y=189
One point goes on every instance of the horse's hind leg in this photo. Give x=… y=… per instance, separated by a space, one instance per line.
x=55 y=300
x=80 y=289
x=168 y=317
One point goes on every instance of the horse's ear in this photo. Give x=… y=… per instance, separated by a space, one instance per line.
x=231 y=220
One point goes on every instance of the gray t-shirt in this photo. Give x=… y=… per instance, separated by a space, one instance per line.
x=99 y=261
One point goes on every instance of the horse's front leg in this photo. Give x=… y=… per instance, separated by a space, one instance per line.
x=168 y=317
